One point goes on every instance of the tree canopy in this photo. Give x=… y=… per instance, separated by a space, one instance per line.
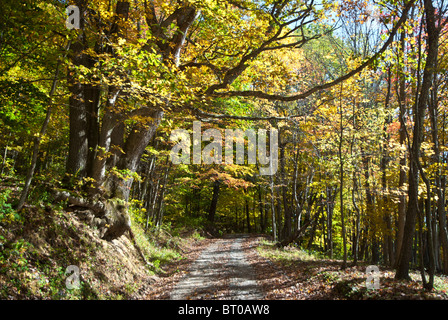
x=355 y=90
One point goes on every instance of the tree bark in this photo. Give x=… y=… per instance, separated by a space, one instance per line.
x=402 y=162
x=341 y=187
x=287 y=227
x=214 y=202
x=139 y=138
x=330 y=198
x=249 y=230
x=274 y=222
x=357 y=222
x=109 y=121
x=387 y=233
x=262 y=211
x=315 y=219
x=78 y=144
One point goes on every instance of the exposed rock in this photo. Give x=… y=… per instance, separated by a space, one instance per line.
x=117 y=220
x=109 y=216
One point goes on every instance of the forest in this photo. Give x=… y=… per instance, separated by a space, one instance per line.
x=321 y=125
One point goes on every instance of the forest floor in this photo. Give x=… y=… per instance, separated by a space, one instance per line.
x=250 y=267
x=39 y=243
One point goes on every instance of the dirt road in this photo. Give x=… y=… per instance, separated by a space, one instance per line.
x=222 y=271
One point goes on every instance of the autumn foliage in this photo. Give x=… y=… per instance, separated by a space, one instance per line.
x=356 y=90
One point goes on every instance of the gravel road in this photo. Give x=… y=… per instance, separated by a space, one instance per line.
x=222 y=271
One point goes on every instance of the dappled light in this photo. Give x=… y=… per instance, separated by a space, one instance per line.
x=223 y=150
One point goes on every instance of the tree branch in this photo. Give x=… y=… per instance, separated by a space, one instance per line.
x=276 y=97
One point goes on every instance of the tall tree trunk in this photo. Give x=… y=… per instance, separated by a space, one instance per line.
x=214 y=202
x=357 y=221
x=330 y=198
x=85 y=136
x=151 y=202
x=355 y=246
x=370 y=208
x=161 y=198
x=429 y=227
x=341 y=187
x=387 y=234
x=419 y=112
x=274 y=222
x=92 y=96
x=262 y=211
x=316 y=218
x=78 y=143
x=248 y=216
x=287 y=227
x=402 y=162
x=109 y=122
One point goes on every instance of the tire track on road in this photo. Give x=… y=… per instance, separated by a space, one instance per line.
x=221 y=267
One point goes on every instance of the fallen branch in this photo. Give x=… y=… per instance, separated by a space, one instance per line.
x=299 y=233
x=97 y=206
